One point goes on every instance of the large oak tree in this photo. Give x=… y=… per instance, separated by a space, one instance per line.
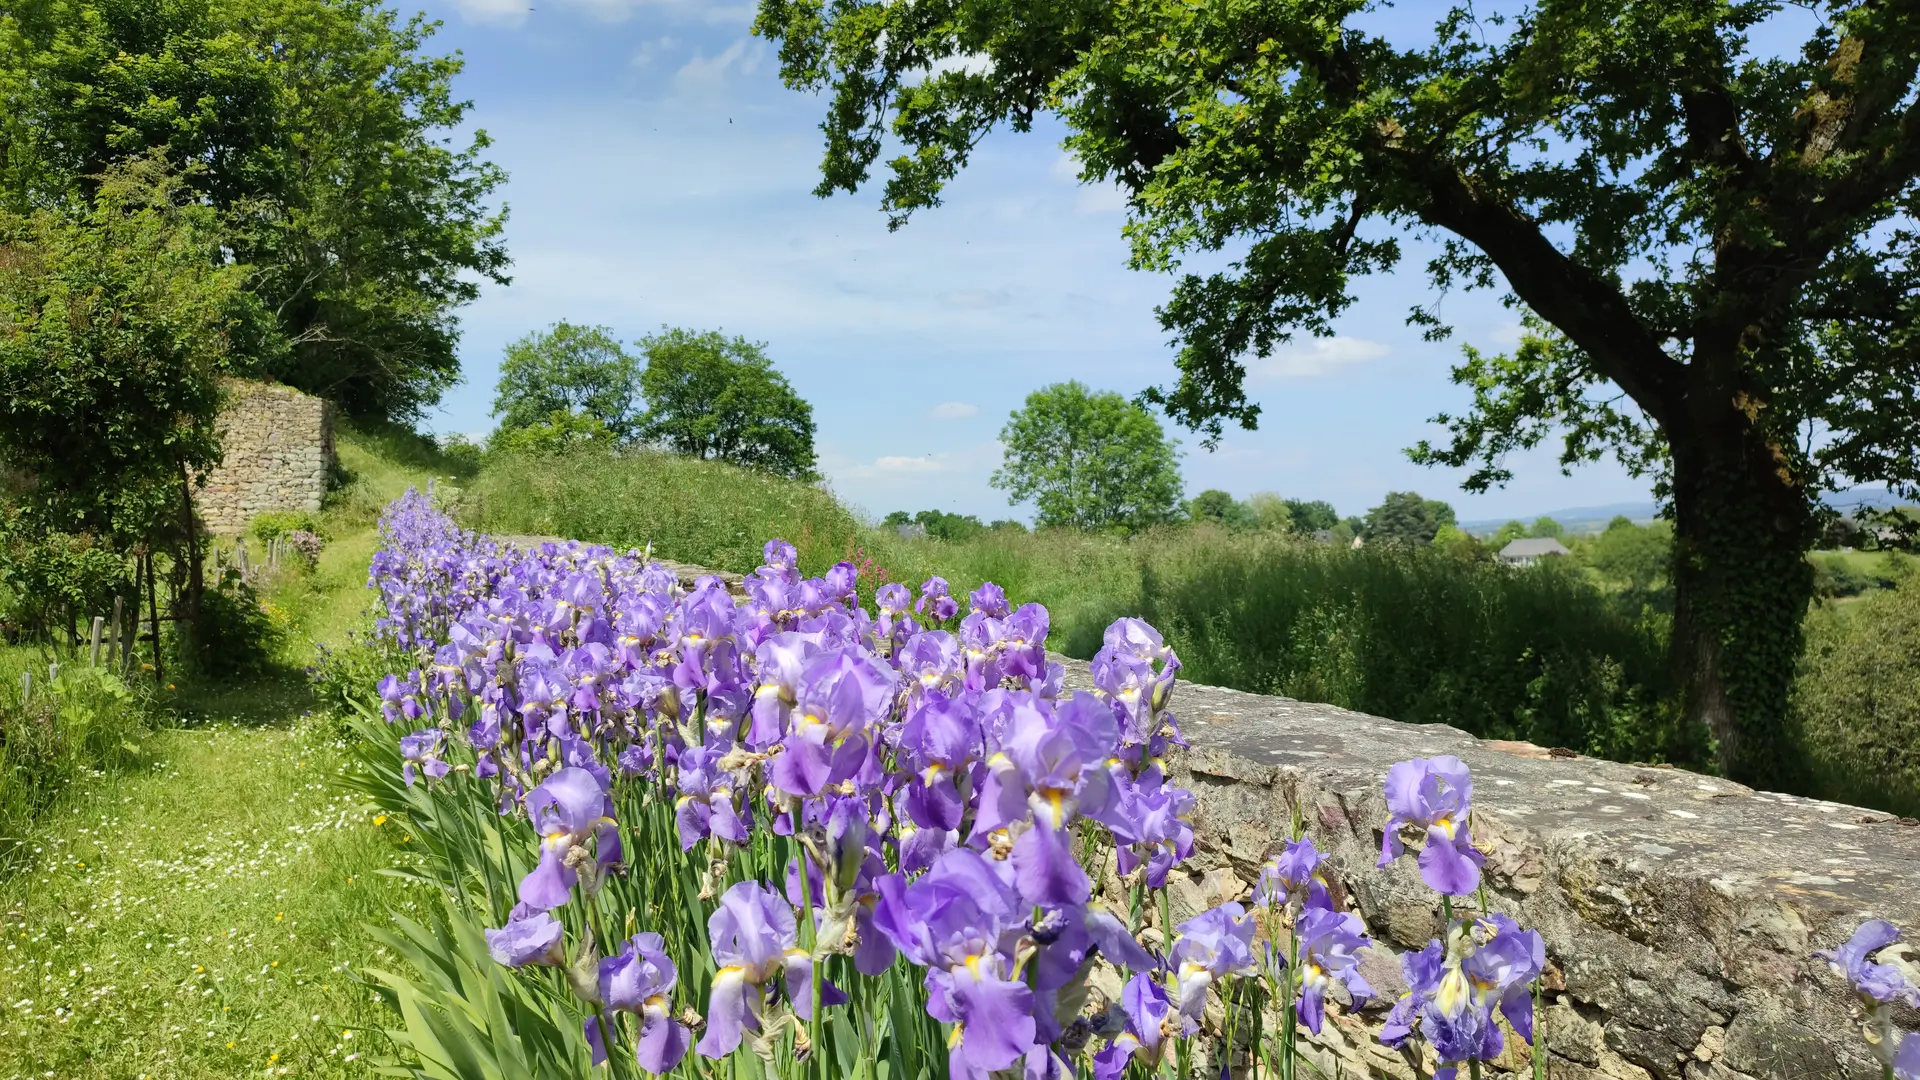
x=1716 y=240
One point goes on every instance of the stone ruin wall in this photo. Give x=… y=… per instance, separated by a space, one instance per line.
x=278 y=446
x=1680 y=911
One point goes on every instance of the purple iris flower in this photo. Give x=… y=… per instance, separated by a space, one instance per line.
x=530 y=937
x=930 y=661
x=1068 y=937
x=1212 y=945
x=1056 y=765
x=780 y=556
x=705 y=806
x=1328 y=943
x=1454 y=988
x=1146 y=1007
x=990 y=600
x=640 y=980
x=780 y=662
x=1434 y=795
x=1878 y=984
x=953 y=921
x=566 y=808
x=391 y=691
x=422 y=748
x=1906 y=1061
x=841 y=697
x=895 y=624
x=934 y=591
x=754 y=941
x=1422 y=972
x=1149 y=823
x=940 y=741
x=1293 y=878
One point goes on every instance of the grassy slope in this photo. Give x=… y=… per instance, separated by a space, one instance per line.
x=202 y=915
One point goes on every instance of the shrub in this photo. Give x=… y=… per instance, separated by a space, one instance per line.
x=305 y=546
x=702 y=512
x=1858 y=698
x=274 y=524
x=233 y=636
x=74 y=719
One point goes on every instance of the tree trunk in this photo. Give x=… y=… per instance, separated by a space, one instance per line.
x=1742 y=527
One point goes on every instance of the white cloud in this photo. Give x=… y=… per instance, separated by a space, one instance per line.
x=898 y=464
x=954 y=410
x=650 y=51
x=508 y=13
x=704 y=73
x=1319 y=356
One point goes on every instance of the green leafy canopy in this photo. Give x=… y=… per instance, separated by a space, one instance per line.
x=1091 y=460
x=713 y=397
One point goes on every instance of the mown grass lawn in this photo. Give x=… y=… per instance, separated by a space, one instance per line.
x=203 y=914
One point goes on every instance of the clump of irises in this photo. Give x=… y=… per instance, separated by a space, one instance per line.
x=740 y=824
x=1871 y=963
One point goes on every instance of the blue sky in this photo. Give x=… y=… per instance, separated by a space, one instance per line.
x=661 y=174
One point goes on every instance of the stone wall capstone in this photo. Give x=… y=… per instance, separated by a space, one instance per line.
x=278 y=445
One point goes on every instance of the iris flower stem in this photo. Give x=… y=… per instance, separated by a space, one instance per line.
x=813 y=967
x=1473 y=1069
x=1290 y=1020
x=1539 y=1030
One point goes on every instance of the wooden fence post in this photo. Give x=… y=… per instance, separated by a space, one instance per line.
x=93 y=641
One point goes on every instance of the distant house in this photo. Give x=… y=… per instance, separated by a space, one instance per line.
x=914 y=531
x=1530 y=550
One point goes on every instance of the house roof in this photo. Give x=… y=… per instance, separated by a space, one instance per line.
x=1533 y=548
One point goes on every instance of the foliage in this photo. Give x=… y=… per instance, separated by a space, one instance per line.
x=1090 y=460
x=1270 y=511
x=940 y=524
x=121 y=320
x=62 y=721
x=557 y=432
x=1713 y=240
x=1857 y=698
x=1223 y=509
x=1544 y=528
x=51 y=581
x=274 y=524
x=320 y=133
x=713 y=398
x=232 y=636
x=1636 y=559
x=1403 y=517
x=1423 y=637
x=580 y=372
x=703 y=512
x=1311 y=516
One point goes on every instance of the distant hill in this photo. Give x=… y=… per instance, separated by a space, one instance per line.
x=1574 y=519
x=1593 y=519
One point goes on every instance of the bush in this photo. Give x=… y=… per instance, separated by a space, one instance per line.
x=1858 y=698
x=701 y=512
x=275 y=524
x=74 y=720
x=233 y=637
x=51 y=584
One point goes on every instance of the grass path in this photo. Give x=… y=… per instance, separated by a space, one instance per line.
x=203 y=915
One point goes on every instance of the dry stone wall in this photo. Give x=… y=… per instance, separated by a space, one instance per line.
x=1679 y=910
x=278 y=446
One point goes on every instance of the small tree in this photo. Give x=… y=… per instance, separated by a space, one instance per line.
x=1511 y=531
x=1089 y=460
x=1270 y=512
x=713 y=398
x=1220 y=508
x=1403 y=517
x=579 y=371
x=1545 y=528
x=1312 y=516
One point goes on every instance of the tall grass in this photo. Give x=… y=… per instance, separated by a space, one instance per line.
x=699 y=512
x=60 y=720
